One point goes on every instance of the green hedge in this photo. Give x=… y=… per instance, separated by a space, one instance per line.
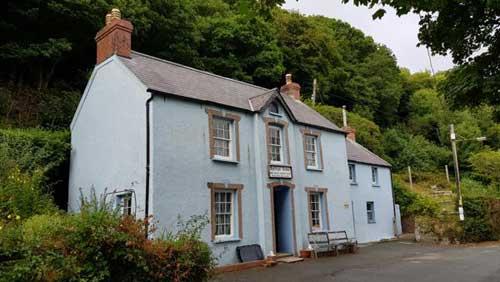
x=40 y=155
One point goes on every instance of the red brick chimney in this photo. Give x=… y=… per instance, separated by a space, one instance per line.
x=351 y=132
x=291 y=88
x=114 y=38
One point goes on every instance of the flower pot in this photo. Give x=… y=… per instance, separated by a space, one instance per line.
x=305 y=253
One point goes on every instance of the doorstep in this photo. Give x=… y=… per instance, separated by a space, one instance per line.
x=240 y=266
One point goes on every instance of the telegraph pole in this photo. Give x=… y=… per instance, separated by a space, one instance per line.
x=447 y=173
x=315 y=86
x=453 y=139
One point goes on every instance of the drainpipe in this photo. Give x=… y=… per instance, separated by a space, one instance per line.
x=259 y=184
x=148 y=159
x=394 y=223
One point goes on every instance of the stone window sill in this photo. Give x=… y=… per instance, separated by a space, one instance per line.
x=226 y=240
x=314 y=169
x=354 y=183
x=216 y=159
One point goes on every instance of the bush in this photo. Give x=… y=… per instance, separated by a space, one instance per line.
x=412 y=203
x=477 y=225
x=441 y=227
x=39 y=157
x=100 y=245
x=21 y=196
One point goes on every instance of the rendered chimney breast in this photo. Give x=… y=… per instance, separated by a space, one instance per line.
x=115 y=38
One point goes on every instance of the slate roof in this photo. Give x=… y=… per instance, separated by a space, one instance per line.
x=358 y=153
x=175 y=79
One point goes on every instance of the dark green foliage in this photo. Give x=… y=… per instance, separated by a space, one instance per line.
x=477 y=226
x=367 y=132
x=34 y=161
x=404 y=150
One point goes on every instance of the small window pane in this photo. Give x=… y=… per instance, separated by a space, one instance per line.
x=370 y=212
x=223 y=212
x=352 y=173
x=275 y=138
x=124 y=203
x=273 y=108
x=222 y=137
x=374 y=175
x=315 y=209
x=311 y=149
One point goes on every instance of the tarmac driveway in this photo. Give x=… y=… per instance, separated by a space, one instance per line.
x=390 y=261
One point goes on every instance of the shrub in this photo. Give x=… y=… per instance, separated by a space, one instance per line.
x=477 y=224
x=412 y=203
x=40 y=158
x=100 y=245
x=440 y=227
x=21 y=196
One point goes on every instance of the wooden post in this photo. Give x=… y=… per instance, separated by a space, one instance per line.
x=314 y=91
x=447 y=173
x=410 y=178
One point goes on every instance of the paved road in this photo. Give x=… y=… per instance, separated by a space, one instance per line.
x=392 y=261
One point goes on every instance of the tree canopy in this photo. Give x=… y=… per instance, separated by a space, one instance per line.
x=48 y=51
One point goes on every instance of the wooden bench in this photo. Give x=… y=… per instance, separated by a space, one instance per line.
x=340 y=241
x=319 y=242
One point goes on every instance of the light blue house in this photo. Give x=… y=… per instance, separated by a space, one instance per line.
x=371 y=193
x=162 y=139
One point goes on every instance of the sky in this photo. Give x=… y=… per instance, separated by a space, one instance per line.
x=397 y=33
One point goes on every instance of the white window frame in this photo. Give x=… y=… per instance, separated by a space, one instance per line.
x=229 y=140
x=280 y=131
x=120 y=203
x=319 y=211
x=352 y=173
x=372 y=212
x=232 y=214
x=315 y=151
x=375 y=178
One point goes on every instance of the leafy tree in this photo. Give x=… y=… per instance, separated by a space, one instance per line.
x=241 y=47
x=404 y=150
x=486 y=164
x=426 y=108
x=460 y=27
x=367 y=132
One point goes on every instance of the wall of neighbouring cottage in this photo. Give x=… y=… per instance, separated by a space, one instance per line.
x=364 y=191
x=108 y=137
x=181 y=169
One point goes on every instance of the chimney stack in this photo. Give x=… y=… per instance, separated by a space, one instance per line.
x=351 y=132
x=114 y=38
x=291 y=88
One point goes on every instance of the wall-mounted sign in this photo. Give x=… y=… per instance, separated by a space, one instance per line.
x=279 y=171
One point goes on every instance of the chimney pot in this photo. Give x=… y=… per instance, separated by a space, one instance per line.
x=108 y=18
x=116 y=14
x=114 y=38
x=291 y=88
